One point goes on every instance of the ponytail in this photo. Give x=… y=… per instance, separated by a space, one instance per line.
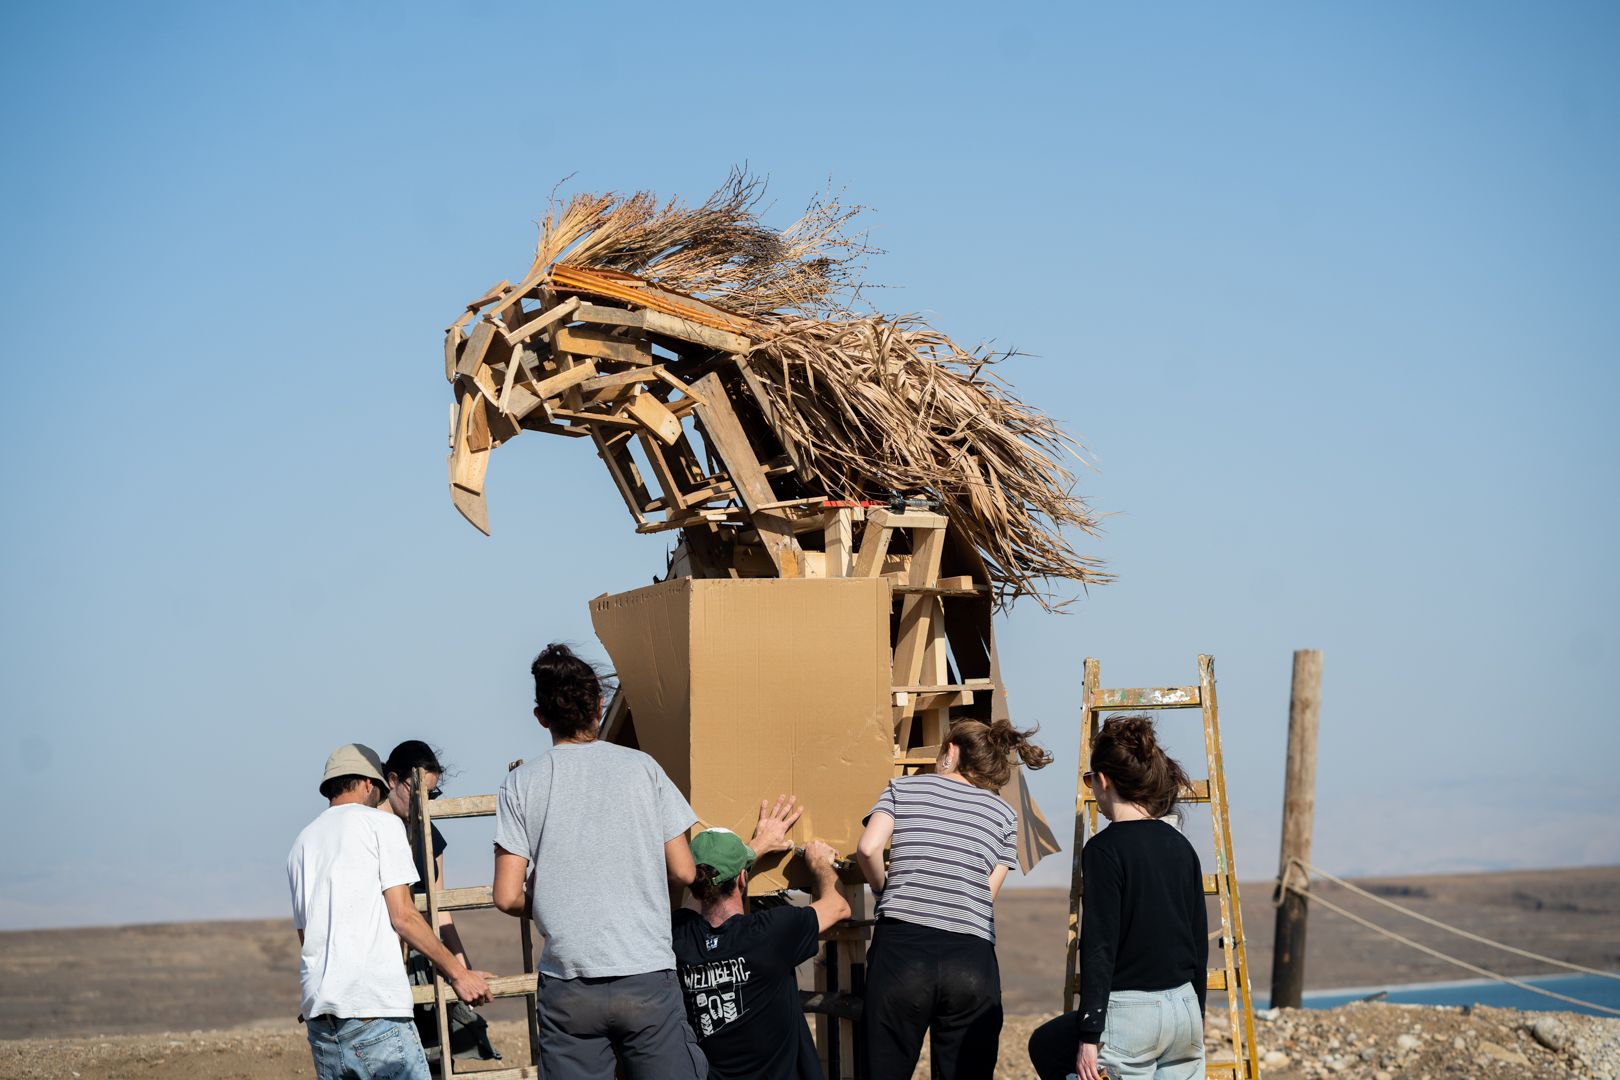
x=988 y=751
x=1127 y=751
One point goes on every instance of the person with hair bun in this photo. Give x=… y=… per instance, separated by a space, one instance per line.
x=932 y=965
x=1144 y=943
x=738 y=970
x=605 y=833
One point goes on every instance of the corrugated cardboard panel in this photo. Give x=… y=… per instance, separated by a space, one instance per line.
x=746 y=689
x=790 y=686
x=647 y=632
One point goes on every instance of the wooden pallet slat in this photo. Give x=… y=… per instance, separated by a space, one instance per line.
x=470 y=806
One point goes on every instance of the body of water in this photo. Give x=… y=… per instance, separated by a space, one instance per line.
x=1593 y=988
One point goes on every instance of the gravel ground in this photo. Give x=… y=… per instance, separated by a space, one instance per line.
x=1355 y=1042
x=1380 y=1041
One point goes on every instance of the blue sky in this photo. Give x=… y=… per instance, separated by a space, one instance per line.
x=1322 y=287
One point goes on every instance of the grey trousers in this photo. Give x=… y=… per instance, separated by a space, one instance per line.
x=642 y=1017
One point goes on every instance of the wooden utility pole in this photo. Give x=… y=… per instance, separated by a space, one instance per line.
x=1299 y=812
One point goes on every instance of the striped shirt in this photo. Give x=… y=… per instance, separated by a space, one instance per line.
x=948 y=837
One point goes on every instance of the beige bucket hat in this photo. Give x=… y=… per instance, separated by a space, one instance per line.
x=354 y=759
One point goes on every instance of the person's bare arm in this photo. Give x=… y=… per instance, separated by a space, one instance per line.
x=826 y=891
x=408 y=923
x=678 y=861
x=869 y=850
x=511 y=880
x=997 y=876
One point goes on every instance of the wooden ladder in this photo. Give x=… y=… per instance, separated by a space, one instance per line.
x=1233 y=974
x=431 y=901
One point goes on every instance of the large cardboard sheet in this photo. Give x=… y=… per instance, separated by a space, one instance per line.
x=746 y=689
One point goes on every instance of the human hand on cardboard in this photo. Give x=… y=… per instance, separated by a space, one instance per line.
x=819 y=856
x=771 y=832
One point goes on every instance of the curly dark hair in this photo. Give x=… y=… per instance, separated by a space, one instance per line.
x=567 y=690
x=1127 y=752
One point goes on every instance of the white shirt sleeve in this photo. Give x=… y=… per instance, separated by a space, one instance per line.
x=395 y=865
x=294 y=871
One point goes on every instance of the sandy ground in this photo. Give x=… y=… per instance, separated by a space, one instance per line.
x=1355 y=1042
x=107 y=1002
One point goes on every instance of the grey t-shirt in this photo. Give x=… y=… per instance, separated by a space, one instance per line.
x=592 y=819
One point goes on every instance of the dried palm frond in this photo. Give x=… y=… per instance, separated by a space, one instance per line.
x=720 y=250
x=875 y=405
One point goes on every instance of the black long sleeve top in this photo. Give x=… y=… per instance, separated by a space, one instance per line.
x=1142 y=925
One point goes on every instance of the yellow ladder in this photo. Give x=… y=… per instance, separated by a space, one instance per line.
x=1233 y=975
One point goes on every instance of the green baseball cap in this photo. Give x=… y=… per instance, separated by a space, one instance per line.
x=723 y=850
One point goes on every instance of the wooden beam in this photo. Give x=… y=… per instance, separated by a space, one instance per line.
x=837 y=537
x=471 y=806
x=608 y=316
x=622 y=378
x=651 y=412
x=762 y=398
x=477 y=896
x=874 y=546
x=500 y=986
x=909 y=520
x=489 y=297
x=602 y=346
x=657 y=322
x=629 y=424
x=917 y=613
x=477 y=347
x=580 y=432
x=672 y=499
x=546 y=319
x=1299 y=814
x=725 y=434
x=622 y=467
x=1152 y=697
x=550 y=388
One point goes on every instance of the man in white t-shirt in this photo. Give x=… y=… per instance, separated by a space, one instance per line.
x=350 y=872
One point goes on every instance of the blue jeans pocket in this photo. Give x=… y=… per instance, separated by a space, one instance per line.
x=382 y=1054
x=1132 y=1030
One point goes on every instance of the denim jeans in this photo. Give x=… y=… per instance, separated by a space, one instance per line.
x=366 y=1050
x=1156 y=1034
x=1147 y=1035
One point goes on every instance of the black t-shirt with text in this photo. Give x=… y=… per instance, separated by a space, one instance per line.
x=742 y=998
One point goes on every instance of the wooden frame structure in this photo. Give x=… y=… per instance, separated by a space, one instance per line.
x=595 y=353
x=1233 y=975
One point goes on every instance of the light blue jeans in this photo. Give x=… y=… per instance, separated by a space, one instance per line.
x=366 y=1050
x=1153 y=1035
